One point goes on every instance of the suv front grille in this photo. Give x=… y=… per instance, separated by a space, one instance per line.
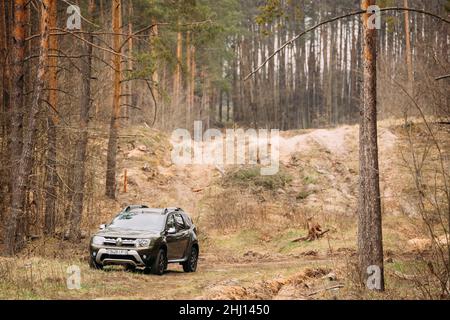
x=125 y=242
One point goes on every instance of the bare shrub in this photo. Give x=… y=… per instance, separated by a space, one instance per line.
x=428 y=167
x=233 y=209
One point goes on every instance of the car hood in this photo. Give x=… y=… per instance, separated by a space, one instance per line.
x=125 y=233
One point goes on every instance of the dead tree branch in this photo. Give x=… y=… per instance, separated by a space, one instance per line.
x=443 y=77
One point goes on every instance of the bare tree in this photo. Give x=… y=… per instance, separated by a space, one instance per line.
x=15 y=240
x=52 y=178
x=79 y=170
x=370 y=242
x=409 y=62
x=16 y=145
x=114 y=126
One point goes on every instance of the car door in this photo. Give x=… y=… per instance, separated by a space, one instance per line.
x=183 y=235
x=172 y=239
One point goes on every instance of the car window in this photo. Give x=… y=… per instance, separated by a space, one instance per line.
x=137 y=221
x=179 y=221
x=187 y=220
x=170 y=222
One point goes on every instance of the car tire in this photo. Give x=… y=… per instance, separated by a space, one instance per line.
x=160 y=263
x=190 y=265
x=94 y=265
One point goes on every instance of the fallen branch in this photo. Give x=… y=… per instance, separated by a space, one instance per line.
x=338 y=286
x=443 y=77
x=404 y=276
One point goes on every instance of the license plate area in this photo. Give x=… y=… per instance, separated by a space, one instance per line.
x=117 y=252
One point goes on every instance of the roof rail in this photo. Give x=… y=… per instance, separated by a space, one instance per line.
x=132 y=207
x=172 y=209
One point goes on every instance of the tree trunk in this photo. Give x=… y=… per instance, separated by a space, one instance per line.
x=155 y=75
x=408 y=50
x=17 y=105
x=193 y=75
x=3 y=55
x=177 y=75
x=5 y=122
x=14 y=241
x=114 y=126
x=236 y=87
x=129 y=84
x=5 y=75
x=354 y=96
x=79 y=171
x=189 y=82
x=52 y=178
x=370 y=244
x=272 y=85
x=228 y=106
x=282 y=82
x=220 y=105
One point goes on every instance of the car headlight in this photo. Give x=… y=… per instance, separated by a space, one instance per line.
x=98 y=241
x=143 y=243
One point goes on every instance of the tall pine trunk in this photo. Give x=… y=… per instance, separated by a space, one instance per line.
x=3 y=55
x=409 y=63
x=129 y=84
x=79 y=171
x=114 y=125
x=52 y=178
x=16 y=136
x=190 y=81
x=155 y=73
x=14 y=241
x=177 y=87
x=370 y=243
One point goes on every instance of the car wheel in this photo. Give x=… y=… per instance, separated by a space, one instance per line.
x=191 y=264
x=160 y=263
x=94 y=265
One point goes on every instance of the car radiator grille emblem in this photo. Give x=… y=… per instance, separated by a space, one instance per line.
x=119 y=242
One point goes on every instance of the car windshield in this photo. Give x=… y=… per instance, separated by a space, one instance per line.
x=139 y=221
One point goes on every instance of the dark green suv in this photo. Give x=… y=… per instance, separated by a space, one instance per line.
x=141 y=237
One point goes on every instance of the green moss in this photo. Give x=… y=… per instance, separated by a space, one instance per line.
x=251 y=176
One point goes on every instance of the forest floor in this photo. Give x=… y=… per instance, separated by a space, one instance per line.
x=247 y=224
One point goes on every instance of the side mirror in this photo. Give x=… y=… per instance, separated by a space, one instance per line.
x=172 y=230
x=102 y=227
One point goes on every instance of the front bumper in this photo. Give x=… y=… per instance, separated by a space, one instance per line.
x=134 y=256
